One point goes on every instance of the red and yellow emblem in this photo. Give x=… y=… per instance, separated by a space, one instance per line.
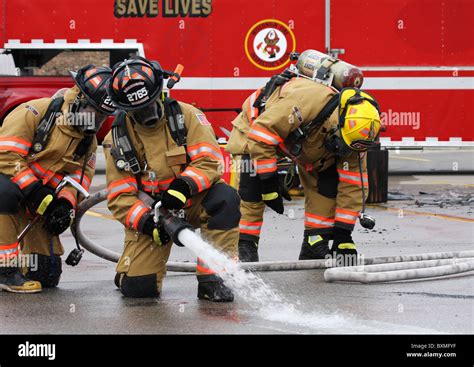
x=268 y=44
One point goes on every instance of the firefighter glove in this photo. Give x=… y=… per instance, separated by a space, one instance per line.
x=39 y=197
x=155 y=231
x=271 y=193
x=176 y=196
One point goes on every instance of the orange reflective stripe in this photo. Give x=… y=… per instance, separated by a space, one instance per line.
x=47 y=176
x=346 y=216
x=55 y=179
x=39 y=171
x=198 y=177
x=266 y=165
x=121 y=186
x=364 y=132
x=157 y=185
x=86 y=182
x=318 y=221
x=204 y=149
x=24 y=178
x=135 y=213
x=69 y=196
x=352 y=177
x=263 y=135
x=9 y=250
x=250 y=227
x=86 y=179
x=353 y=174
x=202 y=267
x=346 y=211
x=14 y=144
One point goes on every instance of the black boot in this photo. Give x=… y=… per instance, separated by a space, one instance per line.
x=315 y=246
x=212 y=288
x=48 y=271
x=344 y=251
x=248 y=251
x=13 y=280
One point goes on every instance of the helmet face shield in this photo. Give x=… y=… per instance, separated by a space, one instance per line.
x=146 y=116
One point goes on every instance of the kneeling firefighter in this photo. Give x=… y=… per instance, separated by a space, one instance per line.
x=167 y=149
x=327 y=134
x=41 y=142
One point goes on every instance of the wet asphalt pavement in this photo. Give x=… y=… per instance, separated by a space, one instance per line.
x=87 y=301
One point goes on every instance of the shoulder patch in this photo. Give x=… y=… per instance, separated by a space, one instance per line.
x=33 y=110
x=91 y=161
x=203 y=119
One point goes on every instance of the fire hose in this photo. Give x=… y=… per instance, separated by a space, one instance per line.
x=372 y=270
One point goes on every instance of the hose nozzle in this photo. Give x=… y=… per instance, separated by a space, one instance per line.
x=173 y=226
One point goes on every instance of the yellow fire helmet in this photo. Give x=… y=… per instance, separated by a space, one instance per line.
x=359 y=118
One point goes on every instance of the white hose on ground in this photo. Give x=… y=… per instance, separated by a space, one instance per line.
x=398 y=267
x=399 y=271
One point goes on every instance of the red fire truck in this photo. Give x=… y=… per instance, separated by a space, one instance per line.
x=417 y=56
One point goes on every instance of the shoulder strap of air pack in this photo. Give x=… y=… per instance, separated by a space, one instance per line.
x=296 y=137
x=175 y=118
x=123 y=152
x=46 y=125
x=327 y=110
x=274 y=82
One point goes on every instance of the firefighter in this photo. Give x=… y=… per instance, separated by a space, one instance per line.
x=41 y=141
x=252 y=206
x=327 y=134
x=168 y=150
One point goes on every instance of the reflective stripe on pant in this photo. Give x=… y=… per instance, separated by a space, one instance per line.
x=9 y=247
x=251 y=221
x=319 y=210
x=251 y=205
x=37 y=240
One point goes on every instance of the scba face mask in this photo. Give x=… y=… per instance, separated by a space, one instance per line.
x=147 y=116
x=85 y=118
